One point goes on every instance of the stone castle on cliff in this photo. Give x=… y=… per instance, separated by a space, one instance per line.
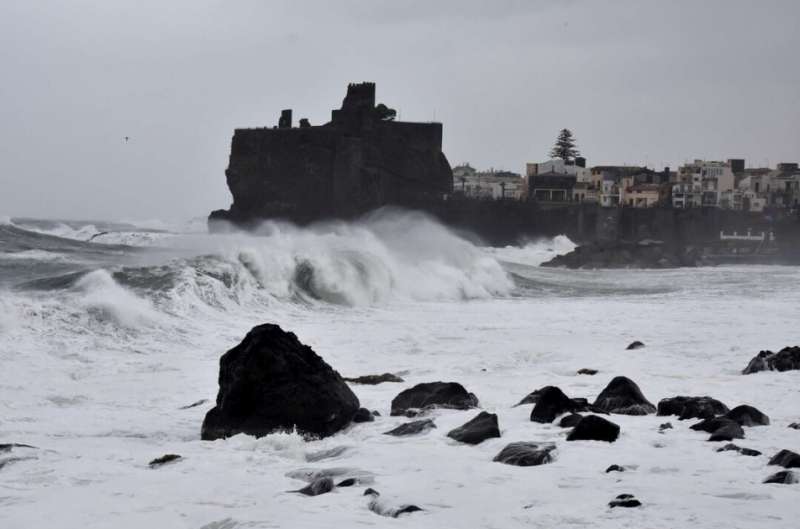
x=361 y=160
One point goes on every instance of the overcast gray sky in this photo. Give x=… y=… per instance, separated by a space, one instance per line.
x=638 y=81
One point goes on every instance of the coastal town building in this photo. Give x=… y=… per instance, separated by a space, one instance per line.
x=704 y=184
x=492 y=184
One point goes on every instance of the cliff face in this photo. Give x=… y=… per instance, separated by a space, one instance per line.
x=357 y=162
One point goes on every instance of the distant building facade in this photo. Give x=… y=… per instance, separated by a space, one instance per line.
x=495 y=185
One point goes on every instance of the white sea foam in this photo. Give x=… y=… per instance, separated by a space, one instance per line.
x=108 y=301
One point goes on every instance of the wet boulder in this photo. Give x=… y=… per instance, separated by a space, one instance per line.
x=786 y=459
x=433 y=395
x=271 y=382
x=523 y=454
x=634 y=345
x=615 y=468
x=587 y=371
x=795 y=426
x=482 y=427
x=625 y=500
x=691 y=407
x=784 y=477
x=363 y=415
x=570 y=420
x=551 y=403
x=786 y=359
x=163 y=460
x=747 y=416
x=318 y=486
x=624 y=397
x=412 y=428
x=594 y=428
x=730 y=447
x=727 y=432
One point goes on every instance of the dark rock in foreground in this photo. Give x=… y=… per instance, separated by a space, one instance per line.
x=363 y=415
x=551 y=403
x=317 y=487
x=747 y=416
x=587 y=371
x=271 y=381
x=412 y=428
x=786 y=359
x=634 y=345
x=625 y=500
x=531 y=398
x=730 y=447
x=163 y=460
x=483 y=426
x=594 y=428
x=786 y=459
x=795 y=426
x=433 y=395
x=690 y=407
x=720 y=428
x=624 y=397
x=615 y=468
x=570 y=420
x=374 y=379
x=524 y=454
x=784 y=477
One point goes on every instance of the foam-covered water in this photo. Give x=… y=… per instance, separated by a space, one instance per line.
x=103 y=343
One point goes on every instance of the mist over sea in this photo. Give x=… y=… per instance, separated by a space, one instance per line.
x=109 y=330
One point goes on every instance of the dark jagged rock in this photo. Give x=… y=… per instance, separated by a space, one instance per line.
x=570 y=420
x=7 y=447
x=317 y=487
x=433 y=395
x=664 y=426
x=194 y=404
x=523 y=454
x=363 y=415
x=786 y=359
x=690 y=407
x=615 y=468
x=627 y=254
x=634 y=345
x=349 y=482
x=727 y=432
x=271 y=381
x=412 y=428
x=360 y=161
x=587 y=371
x=730 y=447
x=483 y=426
x=374 y=379
x=784 y=477
x=625 y=500
x=163 y=460
x=747 y=416
x=594 y=428
x=713 y=424
x=786 y=459
x=551 y=403
x=623 y=396
x=795 y=426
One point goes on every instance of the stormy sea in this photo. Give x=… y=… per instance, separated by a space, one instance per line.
x=111 y=335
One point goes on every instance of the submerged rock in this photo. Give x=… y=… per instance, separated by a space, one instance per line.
x=379 y=507
x=795 y=426
x=691 y=407
x=483 y=426
x=594 y=428
x=624 y=397
x=720 y=428
x=615 y=468
x=551 y=403
x=374 y=379
x=412 y=428
x=747 y=416
x=163 y=460
x=433 y=395
x=786 y=359
x=625 y=500
x=363 y=415
x=634 y=345
x=317 y=487
x=586 y=371
x=194 y=404
x=271 y=381
x=784 y=477
x=664 y=426
x=786 y=459
x=7 y=447
x=523 y=454
x=730 y=447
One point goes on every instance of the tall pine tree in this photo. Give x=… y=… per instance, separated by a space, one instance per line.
x=565 y=147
